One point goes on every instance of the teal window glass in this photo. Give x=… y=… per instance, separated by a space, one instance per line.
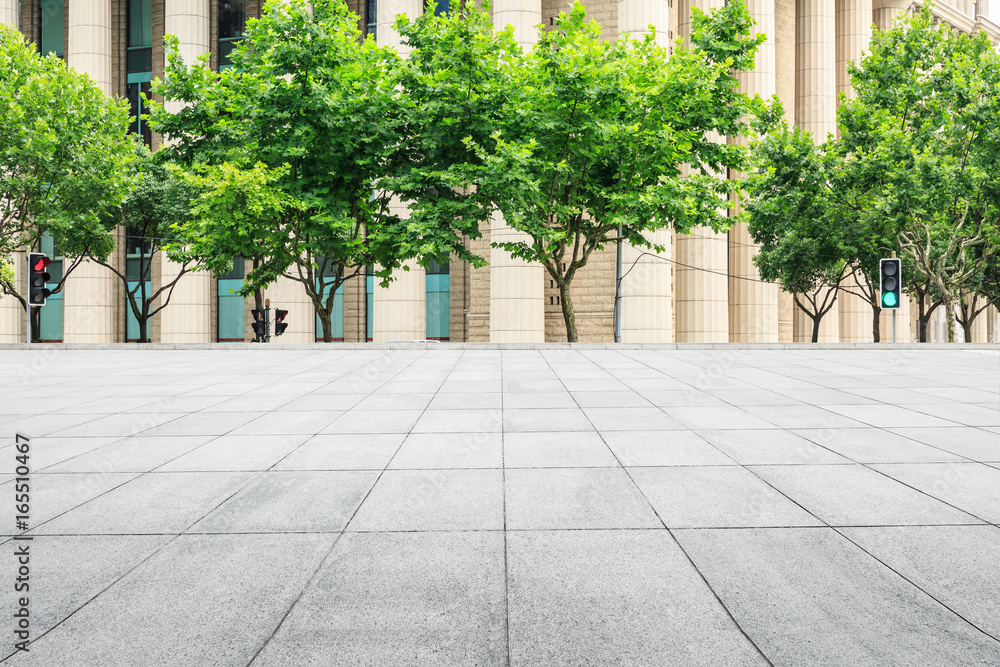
x=232 y=309
x=369 y=305
x=232 y=24
x=50 y=316
x=139 y=64
x=50 y=37
x=438 y=311
x=441 y=7
x=371 y=17
x=336 y=317
x=138 y=264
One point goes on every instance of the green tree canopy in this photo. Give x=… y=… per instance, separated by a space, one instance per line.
x=319 y=109
x=65 y=159
x=590 y=137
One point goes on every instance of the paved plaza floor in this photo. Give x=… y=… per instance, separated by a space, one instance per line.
x=516 y=507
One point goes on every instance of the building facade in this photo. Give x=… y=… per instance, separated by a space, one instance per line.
x=703 y=288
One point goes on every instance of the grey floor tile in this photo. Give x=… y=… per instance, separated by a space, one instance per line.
x=853 y=495
x=888 y=416
x=434 y=599
x=957 y=565
x=769 y=447
x=530 y=400
x=631 y=419
x=135 y=454
x=67 y=571
x=397 y=421
x=575 y=449
x=972 y=487
x=962 y=413
x=807 y=596
x=610 y=399
x=973 y=443
x=35 y=426
x=467 y=401
x=545 y=419
x=873 y=445
x=121 y=425
x=685 y=397
x=450 y=450
x=394 y=401
x=236 y=452
x=293 y=501
x=663 y=448
x=204 y=423
x=459 y=421
x=717 y=497
x=802 y=416
x=150 y=616
x=53 y=494
x=575 y=498
x=153 y=503
x=353 y=451
x=318 y=402
x=50 y=451
x=299 y=423
x=408 y=500
x=725 y=417
x=616 y=597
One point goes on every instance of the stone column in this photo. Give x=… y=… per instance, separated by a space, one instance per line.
x=753 y=305
x=854 y=32
x=11 y=312
x=88 y=301
x=517 y=287
x=701 y=273
x=400 y=310
x=188 y=317
x=646 y=305
x=8 y=13
x=816 y=111
x=884 y=12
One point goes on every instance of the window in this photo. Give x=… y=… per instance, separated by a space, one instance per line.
x=369 y=302
x=442 y=7
x=371 y=17
x=438 y=311
x=232 y=23
x=139 y=63
x=50 y=28
x=232 y=315
x=337 y=316
x=138 y=261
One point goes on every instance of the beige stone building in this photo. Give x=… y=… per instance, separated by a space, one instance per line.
x=702 y=288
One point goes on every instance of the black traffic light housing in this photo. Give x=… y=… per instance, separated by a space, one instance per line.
x=259 y=323
x=38 y=278
x=890 y=283
x=279 y=321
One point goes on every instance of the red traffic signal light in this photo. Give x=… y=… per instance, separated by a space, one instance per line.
x=38 y=278
x=279 y=321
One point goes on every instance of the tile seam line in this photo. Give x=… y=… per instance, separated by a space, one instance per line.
x=697 y=570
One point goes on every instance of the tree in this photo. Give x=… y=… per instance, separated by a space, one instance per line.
x=64 y=160
x=923 y=134
x=594 y=134
x=795 y=216
x=319 y=108
x=155 y=207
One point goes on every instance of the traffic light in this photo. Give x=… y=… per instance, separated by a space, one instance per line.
x=38 y=277
x=279 y=321
x=259 y=323
x=891 y=283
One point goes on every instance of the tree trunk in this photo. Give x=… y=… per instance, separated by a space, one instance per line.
x=325 y=324
x=816 y=320
x=968 y=329
x=567 y=310
x=949 y=315
x=143 y=325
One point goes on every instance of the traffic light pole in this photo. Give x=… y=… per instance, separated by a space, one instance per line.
x=893 y=325
x=27 y=314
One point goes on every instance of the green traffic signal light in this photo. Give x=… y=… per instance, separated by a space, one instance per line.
x=889 y=300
